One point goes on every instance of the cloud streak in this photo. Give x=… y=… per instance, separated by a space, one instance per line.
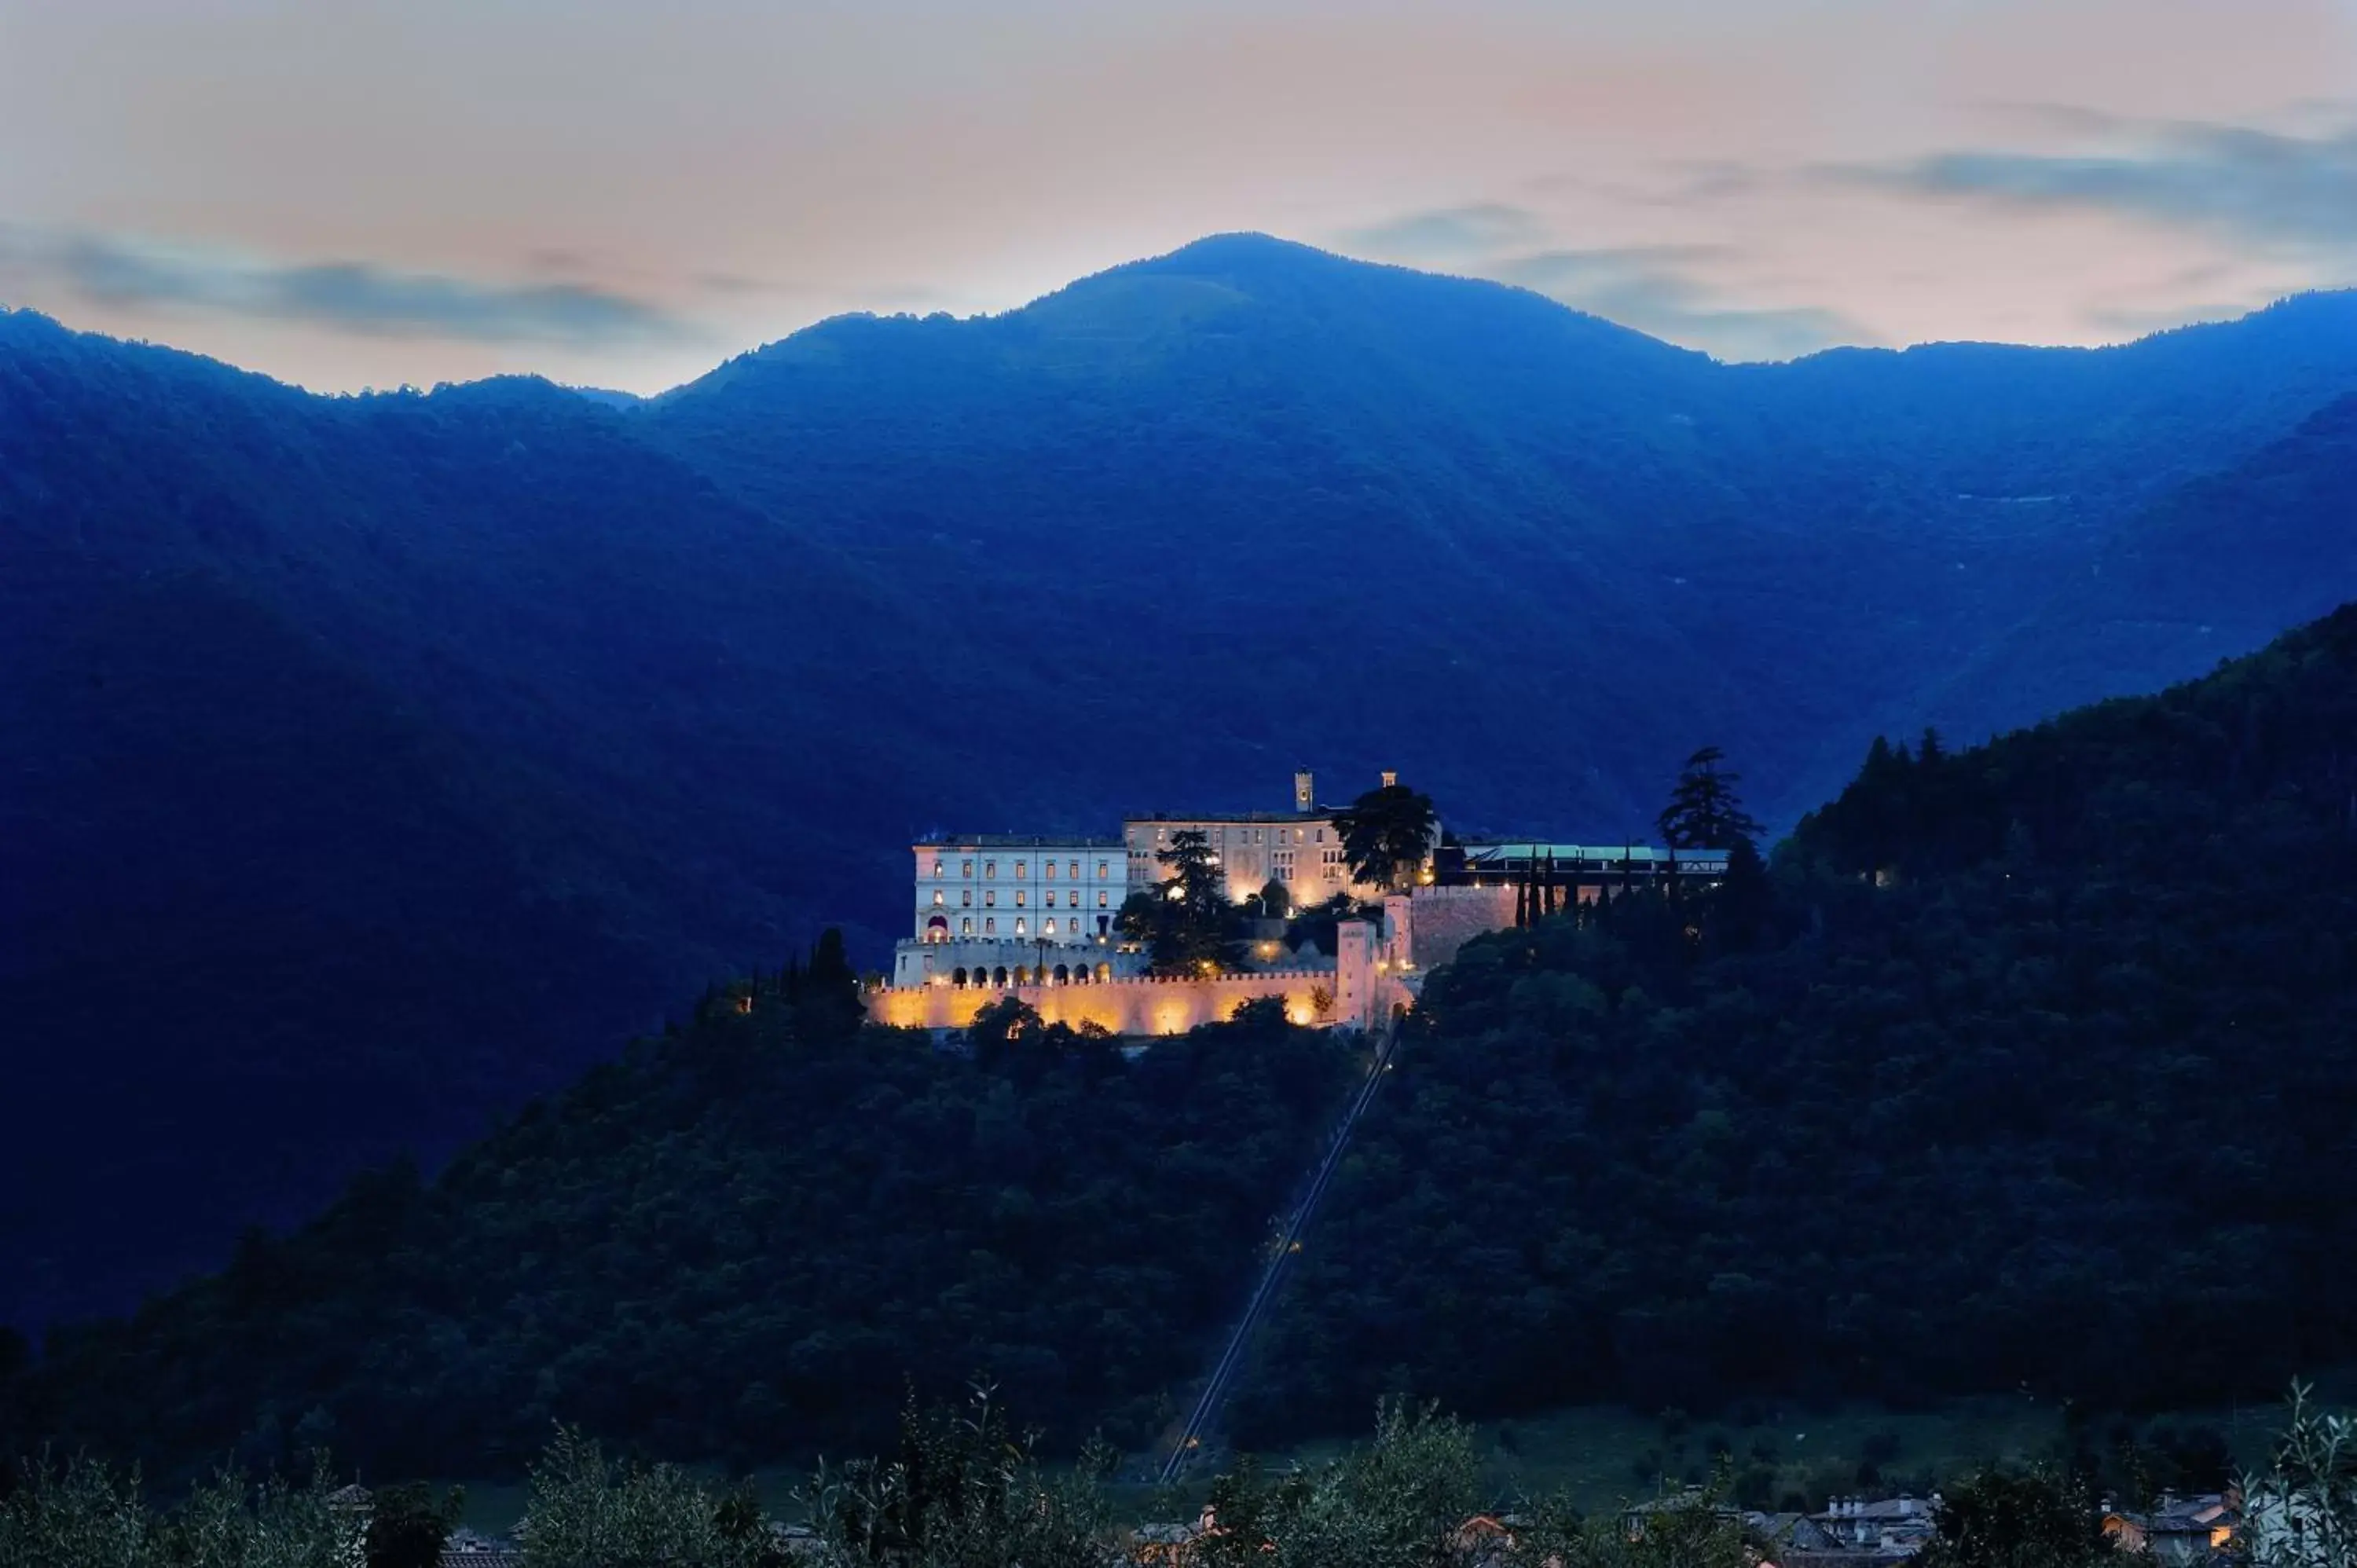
x=1648 y=287
x=354 y=297
x=1652 y=287
x=1449 y=233
x=2246 y=184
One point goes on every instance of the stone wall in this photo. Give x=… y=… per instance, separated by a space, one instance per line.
x=1443 y=919
x=1366 y=983
x=1143 y=1005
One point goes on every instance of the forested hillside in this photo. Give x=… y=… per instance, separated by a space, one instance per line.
x=743 y=1242
x=373 y=763
x=2032 y=1065
x=2208 y=571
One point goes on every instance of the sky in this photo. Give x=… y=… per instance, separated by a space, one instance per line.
x=348 y=193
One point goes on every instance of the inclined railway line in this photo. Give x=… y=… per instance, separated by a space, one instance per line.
x=1190 y=1439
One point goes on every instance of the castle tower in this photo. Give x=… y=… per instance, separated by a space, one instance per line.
x=1354 y=973
x=1399 y=931
x=1304 y=790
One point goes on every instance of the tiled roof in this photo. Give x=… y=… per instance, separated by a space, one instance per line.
x=1013 y=840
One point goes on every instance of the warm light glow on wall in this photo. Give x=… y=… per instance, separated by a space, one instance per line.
x=1135 y=1008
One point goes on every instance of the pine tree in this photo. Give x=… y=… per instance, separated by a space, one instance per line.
x=1386 y=834
x=1705 y=813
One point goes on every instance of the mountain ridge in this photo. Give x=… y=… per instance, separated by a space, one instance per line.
x=701 y=666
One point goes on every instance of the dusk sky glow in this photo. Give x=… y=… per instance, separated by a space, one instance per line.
x=367 y=194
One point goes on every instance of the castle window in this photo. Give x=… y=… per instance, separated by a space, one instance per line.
x=990 y=897
x=965 y=869
x=965 y=926
x=1022 y=868
x=965 y=897
x=941 y=866
x=1101 y=870
x=990 y=868
x=1050 y=929
x=1018 y=925
x=1019 y=898
x=1048 y=869
x=1102 y=898
x=938 y=899
x=989 y=925
x=1076 y=871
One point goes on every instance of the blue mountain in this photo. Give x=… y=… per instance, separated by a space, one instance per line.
x=372 y=764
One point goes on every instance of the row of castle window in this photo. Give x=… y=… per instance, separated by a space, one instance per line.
x=938 y=931
x=1075 y=974
x=1022 y=869
x=990 y=898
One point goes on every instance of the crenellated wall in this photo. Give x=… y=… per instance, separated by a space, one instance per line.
x=1141 y=1005
x=1371 y=975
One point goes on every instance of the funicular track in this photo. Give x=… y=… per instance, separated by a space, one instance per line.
x=1189 y=1441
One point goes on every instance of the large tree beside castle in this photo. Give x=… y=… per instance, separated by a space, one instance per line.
x=1386 y=834
x=1182 y=920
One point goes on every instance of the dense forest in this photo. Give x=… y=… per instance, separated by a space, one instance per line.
x=744 y=1241
x=2024 y=1065
x=376 y=763
x=2028 y=1065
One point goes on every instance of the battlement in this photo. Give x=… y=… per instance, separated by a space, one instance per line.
x=1132 y=1005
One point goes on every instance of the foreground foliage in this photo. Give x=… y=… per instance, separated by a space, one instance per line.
x=2303 y=1507
x=961 y=1488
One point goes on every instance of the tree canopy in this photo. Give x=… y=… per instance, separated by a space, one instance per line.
x=1184 y=920
x=1387 y=834
x=741 y=1242
x=2033 y=1066
x=1705 y=811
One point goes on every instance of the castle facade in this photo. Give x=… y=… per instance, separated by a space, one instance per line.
x=1035 y=917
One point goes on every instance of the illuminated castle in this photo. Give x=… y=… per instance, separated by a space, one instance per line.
x=1035 y=915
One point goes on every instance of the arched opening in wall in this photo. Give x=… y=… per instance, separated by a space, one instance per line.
x=1063 y=975
x=998 y=975
x=936 y=929
x=957 y=975
x=1104 y=971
